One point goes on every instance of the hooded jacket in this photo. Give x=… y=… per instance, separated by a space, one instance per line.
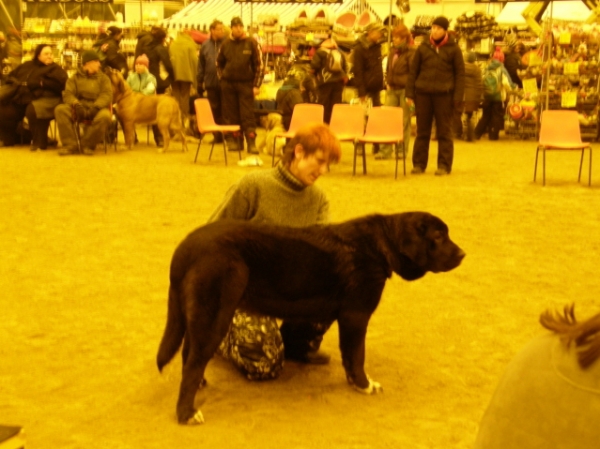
x=437 y=71
x=368 y=66
x=240 y=60
x=287 y=97
x=495 y=65
x=110 y=54
x=398 y=66
x=157 y=53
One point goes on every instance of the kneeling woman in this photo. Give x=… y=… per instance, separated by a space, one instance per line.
x=42 y=82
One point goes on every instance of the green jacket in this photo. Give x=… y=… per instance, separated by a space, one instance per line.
x=90 y=90
x=184 y=58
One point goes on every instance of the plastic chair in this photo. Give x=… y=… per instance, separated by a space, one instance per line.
x=560 y=131
x=303 y=113
x=385 y=125
x=206 y=124
x=347 y=122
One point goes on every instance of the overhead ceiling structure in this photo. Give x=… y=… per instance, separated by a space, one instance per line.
x=203 y=13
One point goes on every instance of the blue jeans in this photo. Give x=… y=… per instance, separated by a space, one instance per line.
x=395 y=97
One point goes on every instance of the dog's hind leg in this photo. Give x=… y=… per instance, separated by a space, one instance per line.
x=352 y=331
x=174 y=331
x=209 y=316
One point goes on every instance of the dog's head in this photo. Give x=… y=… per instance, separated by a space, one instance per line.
x=422 y=244
x=271 y=121
x=118 y=83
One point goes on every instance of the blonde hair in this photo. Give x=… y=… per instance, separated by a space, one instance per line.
x=313 y=137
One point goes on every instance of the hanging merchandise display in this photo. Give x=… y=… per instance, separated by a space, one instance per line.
x=476 y=25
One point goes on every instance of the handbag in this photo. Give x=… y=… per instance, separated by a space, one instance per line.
x=7 y=91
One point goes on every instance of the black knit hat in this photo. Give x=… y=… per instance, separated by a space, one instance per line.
x=441 y=21
x=89 y=55
x=236 y=21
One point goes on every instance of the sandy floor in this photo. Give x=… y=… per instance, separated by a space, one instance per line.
x=86 y=245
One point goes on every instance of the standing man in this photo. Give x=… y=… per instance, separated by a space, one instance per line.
x=436 y=86
x=240 y=69
x=184 y=59
x=87 y=95
x=368 y=67
x=207 y=72
x=329 y=66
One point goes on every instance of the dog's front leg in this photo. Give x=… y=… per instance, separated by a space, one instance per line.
x=129 y=132
x=353 y=331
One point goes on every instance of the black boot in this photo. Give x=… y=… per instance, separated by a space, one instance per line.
x=470 y=137
x=251 y=141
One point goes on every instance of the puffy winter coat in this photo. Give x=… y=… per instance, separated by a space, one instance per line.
x=90 y=90
x=184 y=58
x=368 y=66
x=398 y=67
x=207 y=64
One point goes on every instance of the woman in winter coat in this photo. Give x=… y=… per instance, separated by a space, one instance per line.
x=109 y=52
x=472 y=98
x=42 y=82
x=397 y=69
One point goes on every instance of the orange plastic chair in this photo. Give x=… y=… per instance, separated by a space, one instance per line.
x=303 y=113
x=347 y=122
x=385 y=125
x=206 y=124
x=560 y=131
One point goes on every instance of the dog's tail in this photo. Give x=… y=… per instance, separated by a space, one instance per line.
x=174 y=331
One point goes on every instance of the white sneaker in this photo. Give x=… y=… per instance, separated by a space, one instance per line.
x=251 y=161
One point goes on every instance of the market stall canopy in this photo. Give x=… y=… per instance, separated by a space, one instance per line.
x=203 y=13
x=563 y=10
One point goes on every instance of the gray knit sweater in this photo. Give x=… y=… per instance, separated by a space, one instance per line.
x=274 y=196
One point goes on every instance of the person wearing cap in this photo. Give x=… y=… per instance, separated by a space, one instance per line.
x=208 y=81
x=472 y=98
x=368 y=66
x=513 y=61
x=240 y=70
x=435 y=87
x=141 y=80
x=107 y=47
x=184 y=59
x=87 y=96
x=330 y=82
x=397 y=68
x=159 y=66
x=41 y=84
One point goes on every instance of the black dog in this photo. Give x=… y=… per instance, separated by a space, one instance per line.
x=318 y=273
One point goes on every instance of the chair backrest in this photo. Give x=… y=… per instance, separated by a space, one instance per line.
x=347 y=120
x=385 y=121
x=204 y=116
x=305 y=113
x=560 y=127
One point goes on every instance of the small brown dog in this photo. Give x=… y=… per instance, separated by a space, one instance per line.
x=135 y=108
x=273 y=126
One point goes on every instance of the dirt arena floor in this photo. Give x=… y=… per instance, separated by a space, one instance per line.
x=86 y=246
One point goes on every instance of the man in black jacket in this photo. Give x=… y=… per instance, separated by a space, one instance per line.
x=239 y=66
x=435 y=86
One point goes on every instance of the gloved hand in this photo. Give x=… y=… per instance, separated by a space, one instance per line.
x=91 y=112
x=79 y=111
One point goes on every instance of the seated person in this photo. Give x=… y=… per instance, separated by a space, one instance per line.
x=142 y=80
x=288 y=96
x=549 y=395
x=87 y=96
x=42 y=82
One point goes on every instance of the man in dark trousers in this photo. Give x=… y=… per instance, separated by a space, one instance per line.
x=368 y=68
x=436 y=86
x=239 y=65
x=207 y=71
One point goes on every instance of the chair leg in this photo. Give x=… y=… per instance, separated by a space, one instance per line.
x=224 y=147
x=197 y=151
x=581 y=164
x=590 y=173
x=403 y=157
x=273 y=156
x=544 y=166
x=537 y=152
x=354 y=163
x=364 y=158
x=211 y=149
x=396 y=157
x=76 y=126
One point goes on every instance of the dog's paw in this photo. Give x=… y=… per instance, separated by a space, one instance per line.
x=198 y=418
x=372 y=388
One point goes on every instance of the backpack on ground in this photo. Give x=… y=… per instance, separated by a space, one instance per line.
x=492 y=82
x=334 y=63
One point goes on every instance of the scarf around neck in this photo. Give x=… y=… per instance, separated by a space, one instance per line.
x=436 y=45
